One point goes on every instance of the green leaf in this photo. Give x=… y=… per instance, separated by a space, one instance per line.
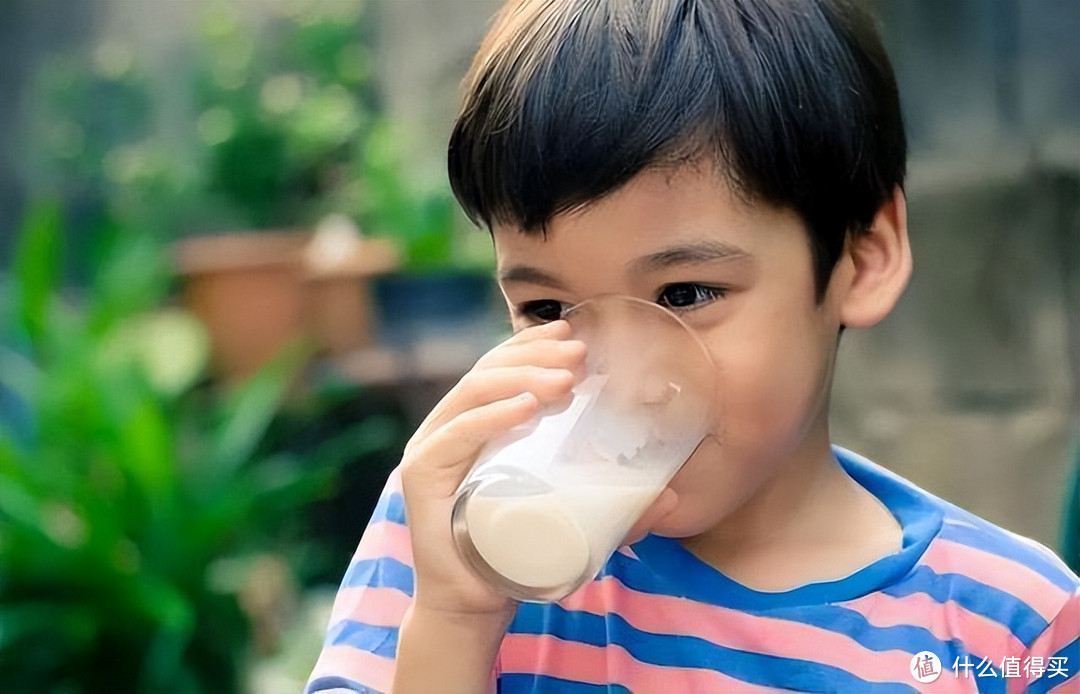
x=175 y=617
x=252 y=407
x=148 y=451
x=17 y=505
x=132 y=278
x=283 y=485
x=37 y=268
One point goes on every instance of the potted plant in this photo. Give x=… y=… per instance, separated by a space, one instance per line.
x=444 y=286
x=278 y=102
x=280 y=113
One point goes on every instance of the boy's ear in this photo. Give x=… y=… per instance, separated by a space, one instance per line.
x=879 y=266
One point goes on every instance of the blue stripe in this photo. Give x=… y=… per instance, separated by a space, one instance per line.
x=381 y=641
x=687 y=651
x=512 y=683
x=636 y=576
x=1071 y=652
x=991 y=539
x=988 y=683
x=684 y=575
x=323 y=684
x=383 y=572
x=391 y=507
x=910 y=638
x=1025 y=623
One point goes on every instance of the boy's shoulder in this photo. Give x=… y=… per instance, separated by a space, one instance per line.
x=1009 y=566
x=967 y=554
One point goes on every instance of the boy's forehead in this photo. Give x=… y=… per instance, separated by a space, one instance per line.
x=661 y=219
x=700 y=180
x=669 y=205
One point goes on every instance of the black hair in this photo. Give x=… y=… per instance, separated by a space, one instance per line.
x=795 y=100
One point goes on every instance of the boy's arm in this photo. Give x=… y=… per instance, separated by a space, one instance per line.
x=375 y=594
x=410 y=615
x=376 y=630
x=447 y=652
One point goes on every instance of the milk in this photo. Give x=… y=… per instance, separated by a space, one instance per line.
x=547 y=502
x=554 y=538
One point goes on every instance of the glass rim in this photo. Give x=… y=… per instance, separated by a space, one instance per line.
x=642 y=303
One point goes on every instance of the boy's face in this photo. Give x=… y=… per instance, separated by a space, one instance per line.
x=739 y=274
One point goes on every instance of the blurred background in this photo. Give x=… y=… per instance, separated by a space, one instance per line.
x=233 y=280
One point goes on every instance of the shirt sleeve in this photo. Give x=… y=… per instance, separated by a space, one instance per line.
x=361 y=641
x=1055 y=653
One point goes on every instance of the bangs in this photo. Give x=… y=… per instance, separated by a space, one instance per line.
x=567 y=100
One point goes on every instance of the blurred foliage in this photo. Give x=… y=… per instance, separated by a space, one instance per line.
x=426 y=221
x=265 y=121
x=134 y=496
x=90 y=140
x=283 y=108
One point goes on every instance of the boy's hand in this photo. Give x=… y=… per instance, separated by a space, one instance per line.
x=505 y=388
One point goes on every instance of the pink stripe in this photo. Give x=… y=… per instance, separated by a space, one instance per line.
x=734 y=629
x=360 y=666
x=383 y=607
x=1062 y=630
x=1070 y=686
x=945 y=621
x=548 y=655
x=1026 y=584
x=385 y=539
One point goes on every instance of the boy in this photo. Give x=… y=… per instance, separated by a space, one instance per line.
x=741 y=163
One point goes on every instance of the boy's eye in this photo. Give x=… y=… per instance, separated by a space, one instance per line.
x=687 y=295
x=542 y=311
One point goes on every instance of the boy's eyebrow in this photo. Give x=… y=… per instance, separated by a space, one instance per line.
x=525 y=274
x=689 y=254
x=683 y=254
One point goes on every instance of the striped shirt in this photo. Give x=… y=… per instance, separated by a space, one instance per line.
x=1000 y=612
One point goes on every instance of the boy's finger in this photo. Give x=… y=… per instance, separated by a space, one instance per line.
x=555 y=330
x=482 y=387
x=444 y=457
x=540 y=352
x=479 y=388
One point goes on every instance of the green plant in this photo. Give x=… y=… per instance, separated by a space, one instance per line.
x=281 y=107
x=255 y=124
x=131 y=495
x=423 y=219
x=92 y=138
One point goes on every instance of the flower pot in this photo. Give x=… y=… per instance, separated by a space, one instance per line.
x=247 y=289
x=256 y=292
x=339 y=300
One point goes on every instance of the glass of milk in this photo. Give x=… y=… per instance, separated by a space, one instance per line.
x=546 y=505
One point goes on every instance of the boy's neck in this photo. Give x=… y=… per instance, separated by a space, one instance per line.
x=810 y=523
